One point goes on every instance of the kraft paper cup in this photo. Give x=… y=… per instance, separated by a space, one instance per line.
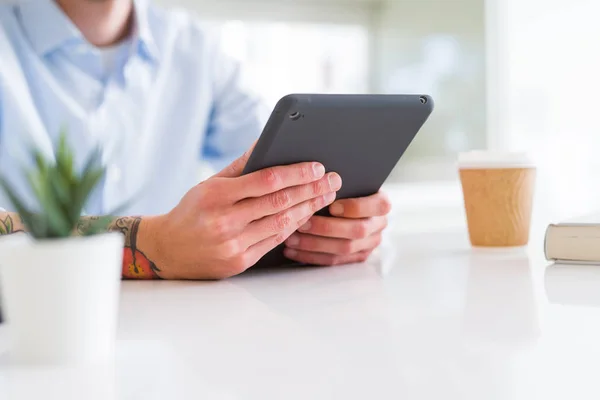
x=498 y=193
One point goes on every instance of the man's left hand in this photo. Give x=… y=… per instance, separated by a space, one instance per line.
x=349 y=236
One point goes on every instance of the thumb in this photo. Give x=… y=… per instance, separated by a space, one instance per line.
x=236 y=168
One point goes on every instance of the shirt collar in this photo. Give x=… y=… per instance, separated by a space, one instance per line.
x=146 y=44
x=46 y=26
x=49 y=29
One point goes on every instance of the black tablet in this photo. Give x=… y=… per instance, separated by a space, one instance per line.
x=361 y=137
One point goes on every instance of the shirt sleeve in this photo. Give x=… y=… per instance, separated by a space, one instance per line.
x=238 y=114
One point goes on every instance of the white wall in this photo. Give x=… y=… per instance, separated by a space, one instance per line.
x=436 y=47
x=539 y=90
x=417 y=46
x=550 y=70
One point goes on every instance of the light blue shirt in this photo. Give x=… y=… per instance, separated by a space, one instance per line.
x=172 y=100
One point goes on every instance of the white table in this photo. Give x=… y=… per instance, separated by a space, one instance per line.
x=426 y=318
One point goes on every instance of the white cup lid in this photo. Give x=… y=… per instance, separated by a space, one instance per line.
x=494 y=159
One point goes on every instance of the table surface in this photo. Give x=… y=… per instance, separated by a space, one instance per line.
x=426 y=318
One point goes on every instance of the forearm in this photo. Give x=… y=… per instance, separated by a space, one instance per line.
x=10 y=223
x=136 y=264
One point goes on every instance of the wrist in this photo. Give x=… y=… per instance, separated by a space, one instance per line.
x=148 y=236
x=150 y=241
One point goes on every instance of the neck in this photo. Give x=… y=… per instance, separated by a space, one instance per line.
x=101 y=22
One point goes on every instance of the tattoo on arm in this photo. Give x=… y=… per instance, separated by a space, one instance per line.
x=85 y=224
x=135 y=263
x=10 y=223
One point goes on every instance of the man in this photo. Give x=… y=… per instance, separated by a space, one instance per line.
x=152 y=89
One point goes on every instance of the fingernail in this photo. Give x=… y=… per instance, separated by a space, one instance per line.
x=336 y=209
x=290 y=253
x=319 y=170
x=335 y=181
x=329 y=198
x=305 y=227
x=293 y=240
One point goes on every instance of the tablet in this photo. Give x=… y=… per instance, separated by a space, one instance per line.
x=361 y=137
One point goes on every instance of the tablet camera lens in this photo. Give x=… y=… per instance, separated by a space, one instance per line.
x=423 y=100
x=295 y=116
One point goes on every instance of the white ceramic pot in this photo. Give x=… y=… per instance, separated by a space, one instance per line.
x=60 y=297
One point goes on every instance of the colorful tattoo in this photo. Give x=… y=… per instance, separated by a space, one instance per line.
x=86 y=224
x=135 y=263
x=7 y=225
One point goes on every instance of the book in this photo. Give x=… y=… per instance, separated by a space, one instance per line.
x=573 y=242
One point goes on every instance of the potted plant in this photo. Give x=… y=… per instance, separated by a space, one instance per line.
x=60 y=291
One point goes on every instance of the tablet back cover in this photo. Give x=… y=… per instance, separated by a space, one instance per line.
x=361 y=137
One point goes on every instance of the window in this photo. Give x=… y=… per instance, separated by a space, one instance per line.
x=283 y=58
x=368 y=46
x=293 y=46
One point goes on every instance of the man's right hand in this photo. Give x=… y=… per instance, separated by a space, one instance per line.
x=225 y=224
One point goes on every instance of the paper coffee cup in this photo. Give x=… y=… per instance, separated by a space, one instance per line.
x=498 y=194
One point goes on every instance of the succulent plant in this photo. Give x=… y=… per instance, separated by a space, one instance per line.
x=60 y=192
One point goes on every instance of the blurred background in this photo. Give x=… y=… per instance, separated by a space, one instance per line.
x=505 y=74
x=367 y=46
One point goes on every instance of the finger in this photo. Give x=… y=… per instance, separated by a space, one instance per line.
x=283 y=221
x=257 y=251
x=237 y=260
x=311 y=258
x=253 y=209
x=363 y=207
x=344 y=228
x=305 y=220
x=274 y=179
x=236 y=168
x=342 y=247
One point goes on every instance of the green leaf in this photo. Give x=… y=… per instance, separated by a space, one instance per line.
x=93 y=162
x=60 y=192
x=36 y=184
x=63 y=149
x=25 y=214
x=38 y=226
x=3 y=229
x=64 y=157
x=7 y=224
x=84 y=190
x=91 y=175
x=41 y=163
x=61 y=189
x=57 y=221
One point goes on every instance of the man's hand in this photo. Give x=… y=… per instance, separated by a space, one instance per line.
x=350 y=236
x=227 y=223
